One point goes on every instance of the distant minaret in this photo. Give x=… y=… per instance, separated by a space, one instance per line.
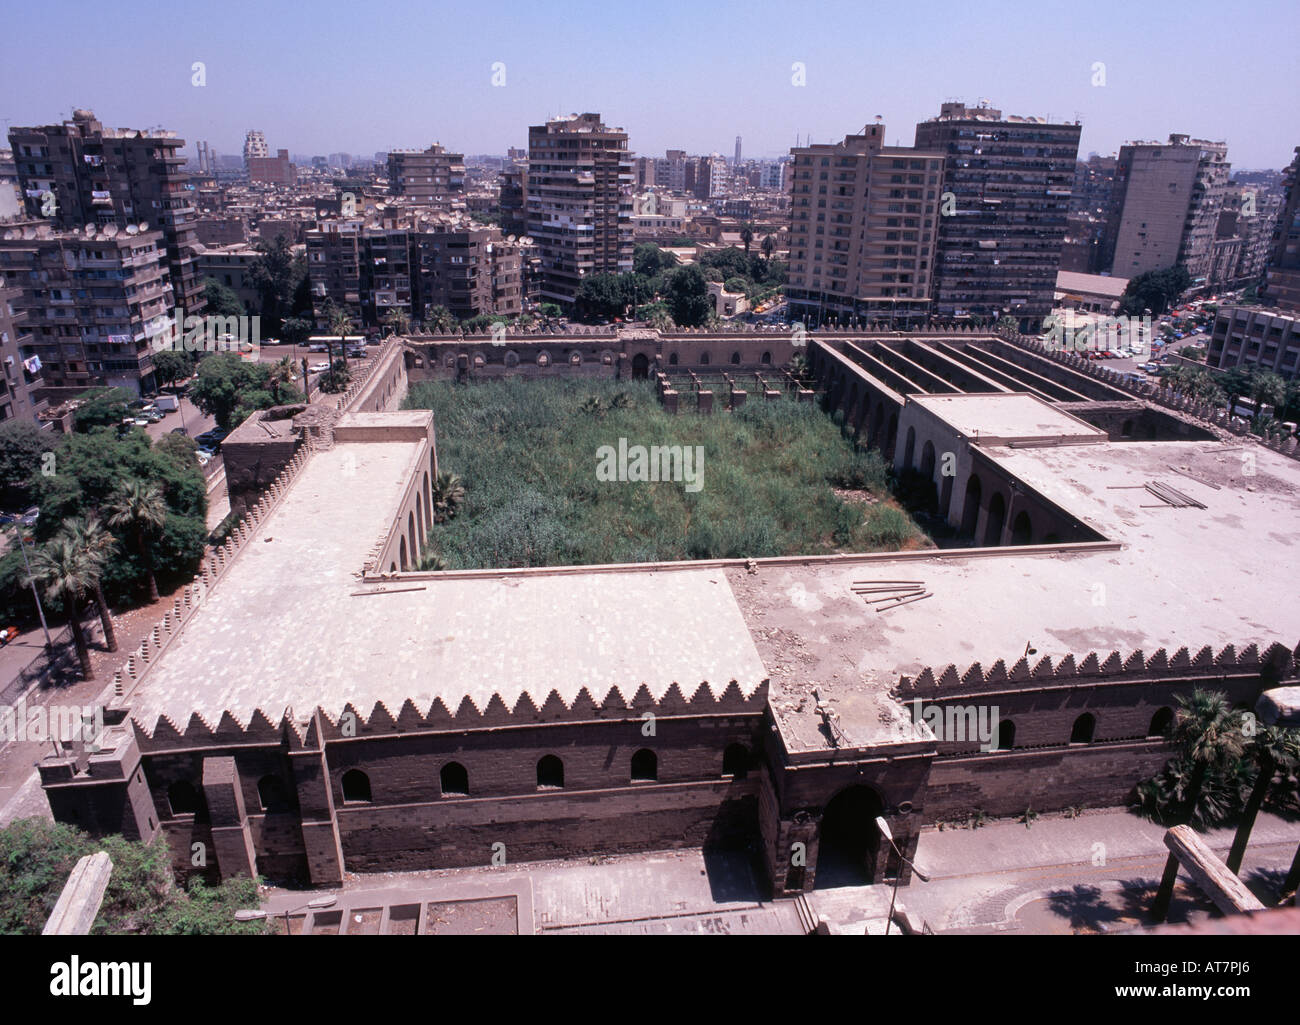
x=736 y=162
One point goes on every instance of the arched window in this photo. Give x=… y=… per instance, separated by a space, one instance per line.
x=645 y=766
x=1006 y=735
x=454 y=780
x=1083 y=729
x=271 y=794
x=543 y=359
x=735 y=359
x=356 y=786
x=735 y=761
x=704 y=359
x=575 y=358
x=1160 y=722
x=512 y=358
x=183 y=798
x=1126 y=429
x=1022 y=531
x=996 y=521
x=767 y=359
x=550 y=773
x=672 y=359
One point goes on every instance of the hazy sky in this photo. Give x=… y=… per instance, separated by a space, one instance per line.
x=360 y=77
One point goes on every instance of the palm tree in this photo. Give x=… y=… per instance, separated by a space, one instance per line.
x=1272 y=748
x=65 y=572
x=769 y=244
x=139 y=508
x=399 y=320
x=439 y=321
x=340 y=323
x=448 y=493
x=98 y=544
x=281 y=373
x=747 y=235
x=1267 y=388
x=1208 y=735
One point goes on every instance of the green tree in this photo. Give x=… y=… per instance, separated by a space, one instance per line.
x=603 y=296
x=139 y=508
x=399 y=320
x=439 y=321
x=221 y=384
x=747 y=235
x=281 y=374
x=340 y=323
x=336 y=378
x=688 y=296
x=296 y=330
x=172 y=365
x=769 y=246
x=100 y=408
x=97 y=544
x=22 y=445
x=222 y=300
x=66 y=574
x=447 y=494
x=1155 y=290
x=1235 y=383
x=1267 y=388
x=649 y=260
x=1271 y=748
x=276 y=275
x=91 y=467
x=37 y=857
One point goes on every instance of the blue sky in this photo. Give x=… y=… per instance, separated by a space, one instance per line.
x=331 y=76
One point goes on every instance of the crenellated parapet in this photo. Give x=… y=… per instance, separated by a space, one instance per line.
x=350 y=723
x=213 y=566
x=1280 y=662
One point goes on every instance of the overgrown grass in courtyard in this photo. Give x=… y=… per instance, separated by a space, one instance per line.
x=527 y=452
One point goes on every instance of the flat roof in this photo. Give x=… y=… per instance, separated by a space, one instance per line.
x=1007 y=417
x=285 y=626
x=1184 y=577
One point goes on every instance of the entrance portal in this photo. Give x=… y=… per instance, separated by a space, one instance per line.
x=640 y=367
x=846 y=855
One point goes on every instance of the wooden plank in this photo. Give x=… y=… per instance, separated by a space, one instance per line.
x=1211 y=875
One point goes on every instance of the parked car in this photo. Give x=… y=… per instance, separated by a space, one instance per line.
x=30 y=517
x=211 y=440
x=7 y=635
x=180 y=430
x=318 y=347
x=204 y=456
x=319 y=368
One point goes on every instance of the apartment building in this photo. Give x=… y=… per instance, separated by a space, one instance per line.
x=93 y=303
x=254 y=146
x=431 y=177
x=1283 y=285
x=1165 y=206
x=864 y=222
x=1255 y=339
x=1243 y=235
x=334 y=252
x=376 y=271
x=20 y=367
x=579 y=202
x=79 y=172
x=1011 y=178
x=232 y=265
x=512 y=201
x=276 y=170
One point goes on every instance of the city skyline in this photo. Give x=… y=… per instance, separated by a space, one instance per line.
x=285 y=80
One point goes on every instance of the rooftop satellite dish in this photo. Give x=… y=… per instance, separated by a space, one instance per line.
x=10 y=235
x=144 y=225
x=510 y=238
x=89 y=229
x=131 y=229
x=110 y=230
